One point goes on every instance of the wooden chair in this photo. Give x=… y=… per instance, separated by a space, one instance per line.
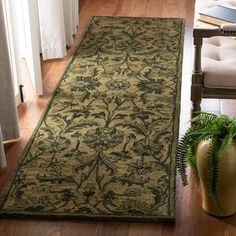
x=214 y=70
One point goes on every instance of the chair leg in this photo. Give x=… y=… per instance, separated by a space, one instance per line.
x=196 y=93
x=196 y=103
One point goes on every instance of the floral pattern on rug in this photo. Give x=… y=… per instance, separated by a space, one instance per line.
x=105 y=145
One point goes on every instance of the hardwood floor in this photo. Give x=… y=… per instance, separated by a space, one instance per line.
x=190 y=218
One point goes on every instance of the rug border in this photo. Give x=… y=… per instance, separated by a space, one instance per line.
x=177 y=120
x=168 y=219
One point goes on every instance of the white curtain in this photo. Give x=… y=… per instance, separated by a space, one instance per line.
x=9 y=128
x=58 y=20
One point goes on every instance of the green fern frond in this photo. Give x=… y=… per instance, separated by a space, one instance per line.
x=186 y=151
x=202 y=120
x=181 y=162
x=213 y=171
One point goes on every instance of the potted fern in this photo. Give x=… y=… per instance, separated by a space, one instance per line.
x=209 y=148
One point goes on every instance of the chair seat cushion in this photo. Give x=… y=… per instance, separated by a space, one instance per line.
x=219 y=62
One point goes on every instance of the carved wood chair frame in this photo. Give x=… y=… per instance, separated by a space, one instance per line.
x=198 y=91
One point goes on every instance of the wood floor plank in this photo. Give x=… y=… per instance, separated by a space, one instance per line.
x=75 y=228
x=20 y=227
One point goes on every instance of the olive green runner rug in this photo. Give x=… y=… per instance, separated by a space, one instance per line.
x=105 y=145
